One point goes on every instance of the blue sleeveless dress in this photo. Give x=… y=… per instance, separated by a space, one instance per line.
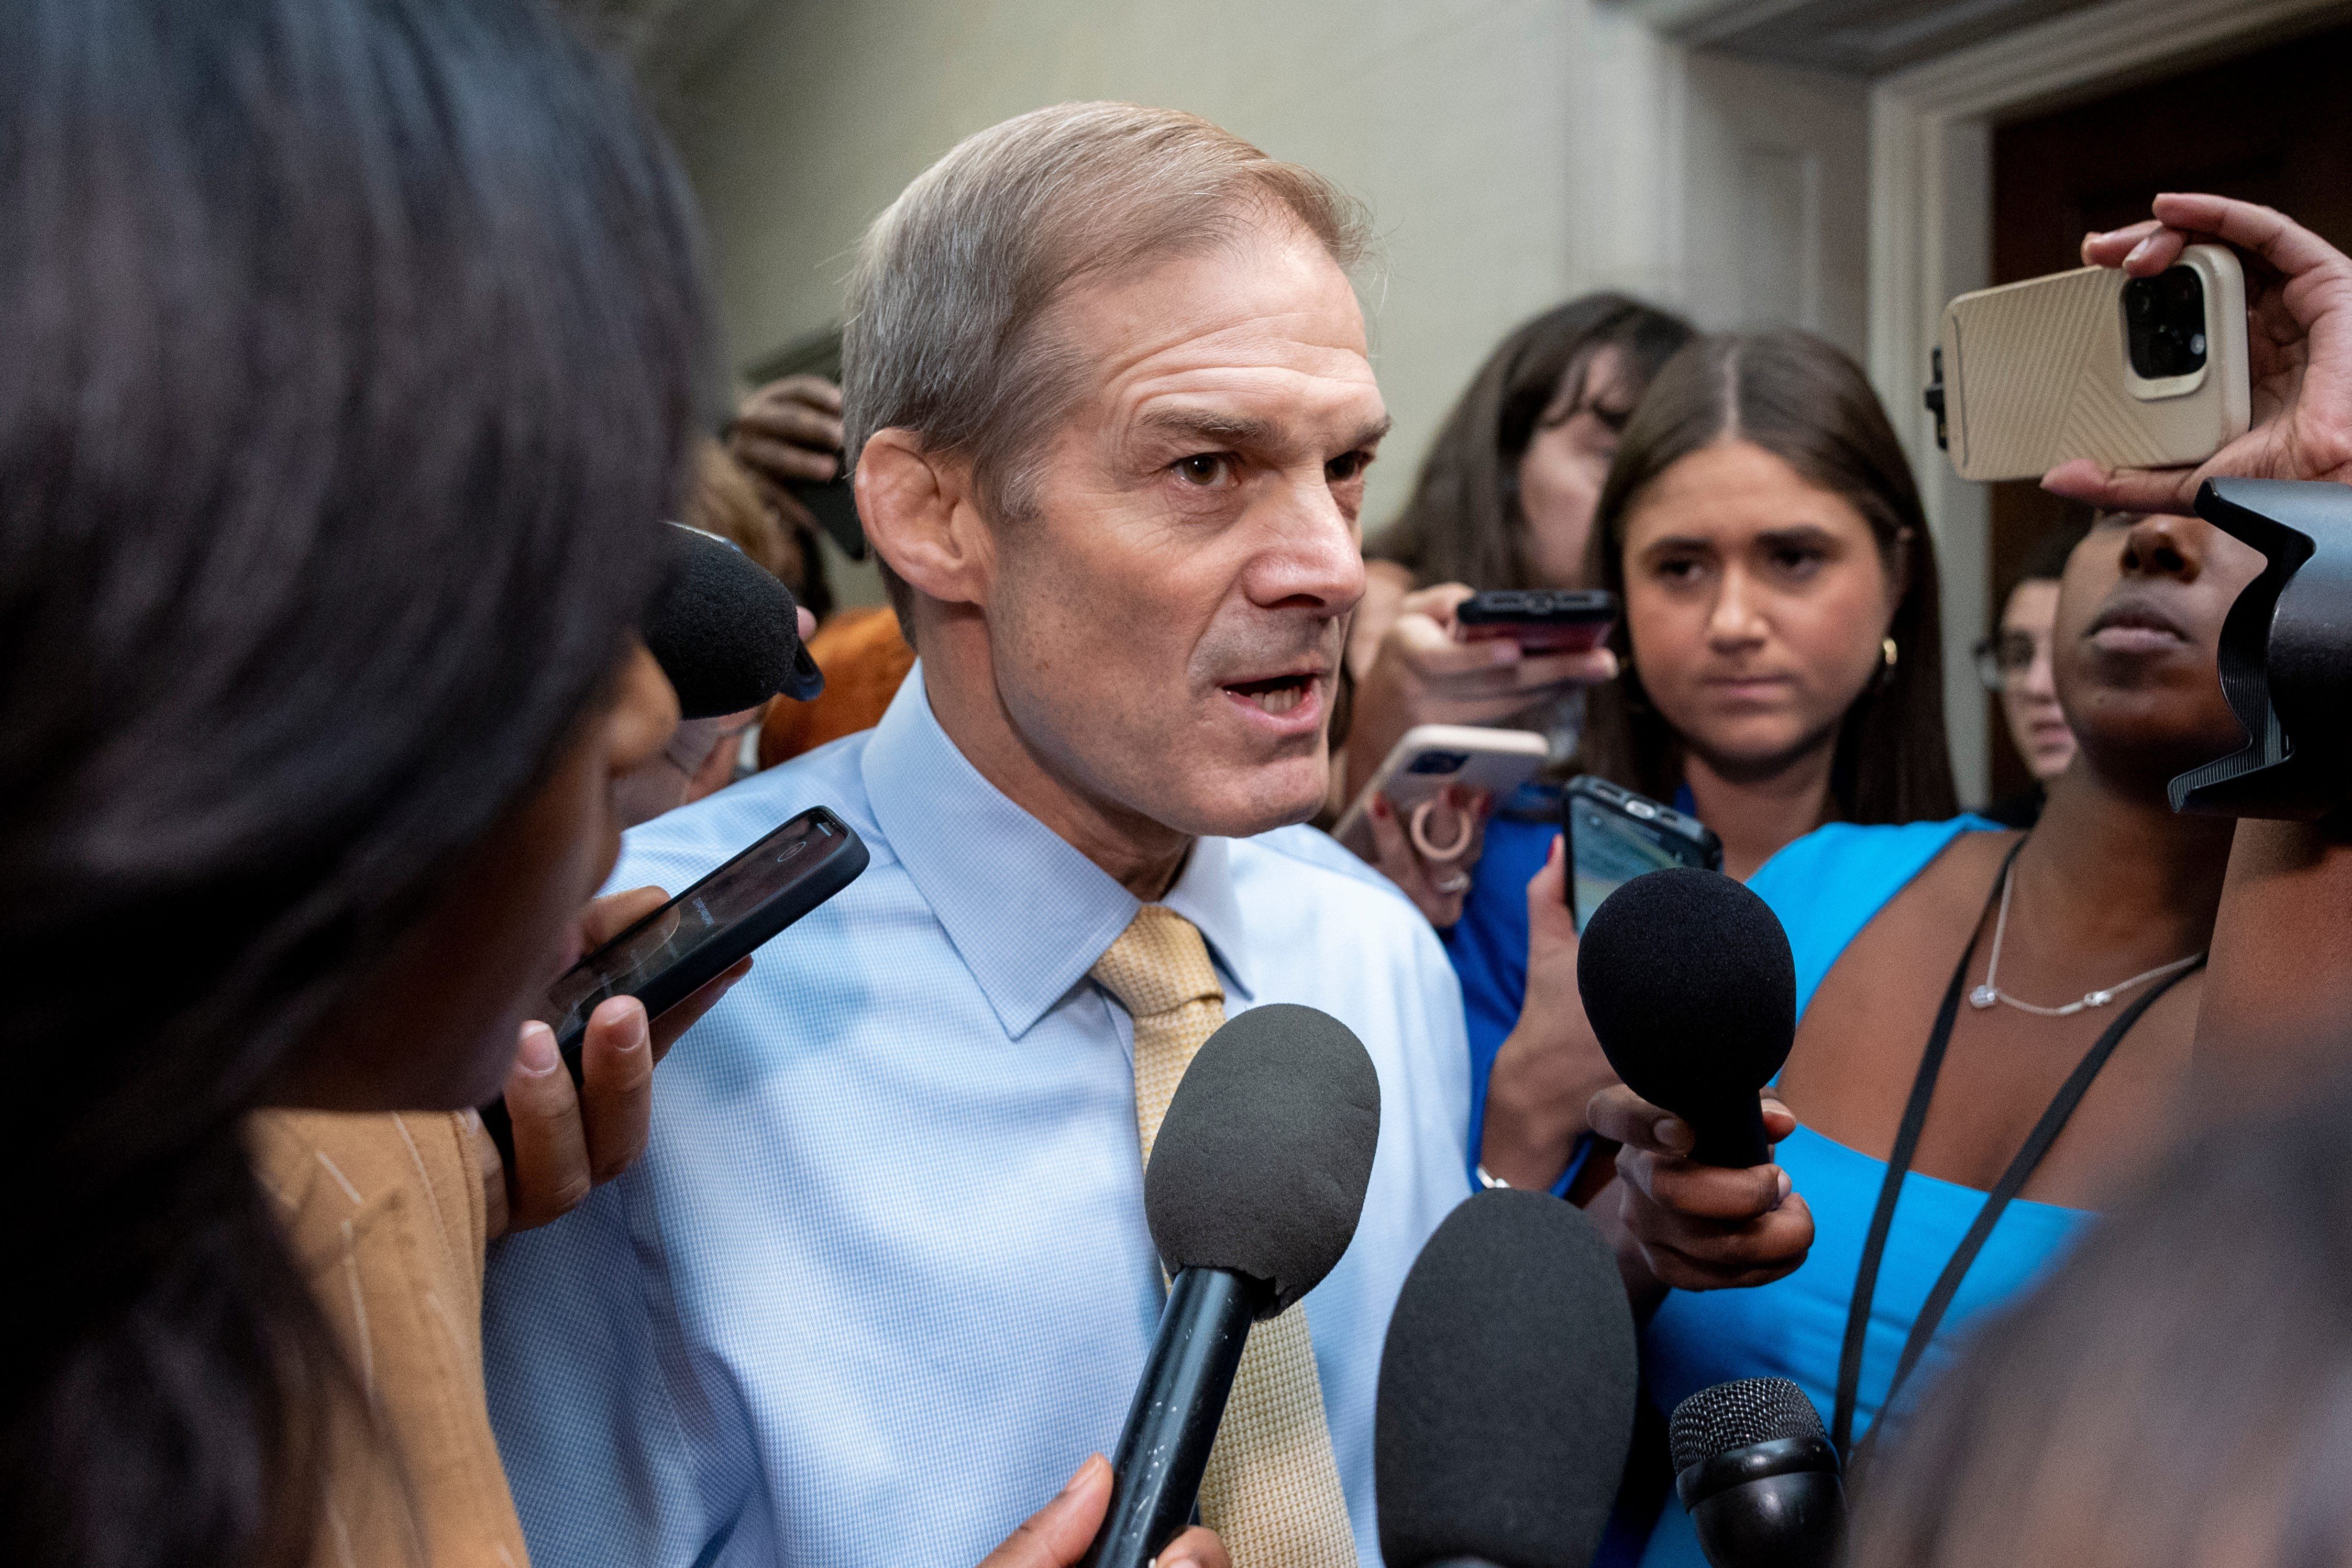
x=1825 y=888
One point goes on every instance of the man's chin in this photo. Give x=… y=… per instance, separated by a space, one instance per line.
x=1257 y=800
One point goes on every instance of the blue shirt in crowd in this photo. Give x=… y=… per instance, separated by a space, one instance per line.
x=1826 y=887
x=882 y=1280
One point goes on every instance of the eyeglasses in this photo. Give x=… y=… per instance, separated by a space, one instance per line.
x=2003 y=660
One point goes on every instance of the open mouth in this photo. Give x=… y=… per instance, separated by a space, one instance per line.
x=1276 y=694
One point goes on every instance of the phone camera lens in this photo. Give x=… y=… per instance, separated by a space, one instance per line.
x=1440 y=762
x=2139 y=299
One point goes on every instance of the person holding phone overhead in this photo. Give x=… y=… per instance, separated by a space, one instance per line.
x=1762 y=530
x=1503 y=503
x=1994 y=1033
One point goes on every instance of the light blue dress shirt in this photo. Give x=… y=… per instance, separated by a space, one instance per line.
x=883 y=1279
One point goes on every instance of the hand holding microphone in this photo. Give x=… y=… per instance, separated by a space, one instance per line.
x=1690 y=985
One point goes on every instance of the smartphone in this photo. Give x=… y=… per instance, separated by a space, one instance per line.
x=1615 y=836
x=1541 y=620
x=1431 y=756
x=698 y=935
x=2144 y=373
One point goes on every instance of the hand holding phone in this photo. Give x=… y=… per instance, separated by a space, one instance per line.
x=565 y=1140
x=2299 y=302
x=676 y=950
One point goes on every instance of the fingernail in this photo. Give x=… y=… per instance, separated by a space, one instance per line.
x=2140 y=250
x=1780 y=1179
x=632 y=1036
x=538 y=1052
x=1079 y=1474
x=1672 y=1134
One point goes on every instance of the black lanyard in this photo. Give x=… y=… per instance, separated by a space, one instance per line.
x=2013 y=1180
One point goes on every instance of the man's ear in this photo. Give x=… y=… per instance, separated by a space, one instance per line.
x=922 y=517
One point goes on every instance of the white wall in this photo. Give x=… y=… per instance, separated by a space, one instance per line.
x=1453 y=120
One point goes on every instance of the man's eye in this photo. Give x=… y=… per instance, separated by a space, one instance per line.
x=1338 y=470
x=1205 y=468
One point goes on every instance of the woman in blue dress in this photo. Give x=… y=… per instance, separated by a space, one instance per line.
x=1994 y=1031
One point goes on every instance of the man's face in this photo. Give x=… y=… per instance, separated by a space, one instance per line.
x=1166 y=622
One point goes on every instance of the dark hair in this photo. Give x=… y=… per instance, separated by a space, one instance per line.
x=2179 y=1392
x=1809 y=404
x=1464 y=523
x=353 y=351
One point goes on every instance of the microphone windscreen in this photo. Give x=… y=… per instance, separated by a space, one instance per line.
x=1690 y=986
x=1263 y=1157
x=1740 y=1415
x=1506 y=1402
x=725 y=631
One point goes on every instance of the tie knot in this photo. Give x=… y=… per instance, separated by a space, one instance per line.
x=1159 y=964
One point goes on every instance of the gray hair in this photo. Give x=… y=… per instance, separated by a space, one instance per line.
x=952 y=279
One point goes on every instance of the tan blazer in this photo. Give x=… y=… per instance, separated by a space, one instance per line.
x=384 y=1215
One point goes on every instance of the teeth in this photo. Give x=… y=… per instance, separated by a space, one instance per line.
x=1281 y=700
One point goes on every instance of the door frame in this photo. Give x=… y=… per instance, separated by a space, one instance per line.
x=1931 y=238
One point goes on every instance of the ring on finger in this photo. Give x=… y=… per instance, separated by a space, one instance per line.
x=1419 y=829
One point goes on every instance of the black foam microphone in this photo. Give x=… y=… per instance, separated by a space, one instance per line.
x=1691 y=988
x=725 y=631
x=1506 y=1390
x=1758 y=1476
x=1256 y=1180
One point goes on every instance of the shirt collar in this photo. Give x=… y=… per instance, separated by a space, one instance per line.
x=1028 y=913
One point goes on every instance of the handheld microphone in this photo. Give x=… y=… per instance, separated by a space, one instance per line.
x=1506 y=1401
x=725 y=631
x=1255 y=1183
x=1692 y=990
x=1758 y=1476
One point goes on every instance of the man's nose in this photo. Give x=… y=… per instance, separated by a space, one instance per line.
x=2162 y=546
x=1317 y=562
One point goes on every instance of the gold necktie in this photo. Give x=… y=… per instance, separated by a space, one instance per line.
x=1272 y=1489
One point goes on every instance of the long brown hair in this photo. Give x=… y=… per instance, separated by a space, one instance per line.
x=1464 y=523
x=1807 y=404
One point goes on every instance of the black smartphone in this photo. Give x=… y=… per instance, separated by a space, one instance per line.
x=1541 y=620
x=698 y=935
x=1615 y=836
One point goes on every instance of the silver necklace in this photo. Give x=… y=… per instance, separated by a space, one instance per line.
x=1986 y=994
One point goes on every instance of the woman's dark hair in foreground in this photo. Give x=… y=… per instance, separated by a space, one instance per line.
x=1806 y=403
x=352 y=347
x=1463 y=523
x=2178 y=1394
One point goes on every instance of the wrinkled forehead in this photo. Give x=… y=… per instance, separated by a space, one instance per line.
x=1262 y=323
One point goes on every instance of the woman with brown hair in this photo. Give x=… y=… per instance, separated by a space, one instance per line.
x=1503 y=501
x=1779 y=636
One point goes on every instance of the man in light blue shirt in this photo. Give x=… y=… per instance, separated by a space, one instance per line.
x=883 y=1278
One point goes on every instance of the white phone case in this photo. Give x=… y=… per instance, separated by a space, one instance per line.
x=2038 y=372
x=1497 y=760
